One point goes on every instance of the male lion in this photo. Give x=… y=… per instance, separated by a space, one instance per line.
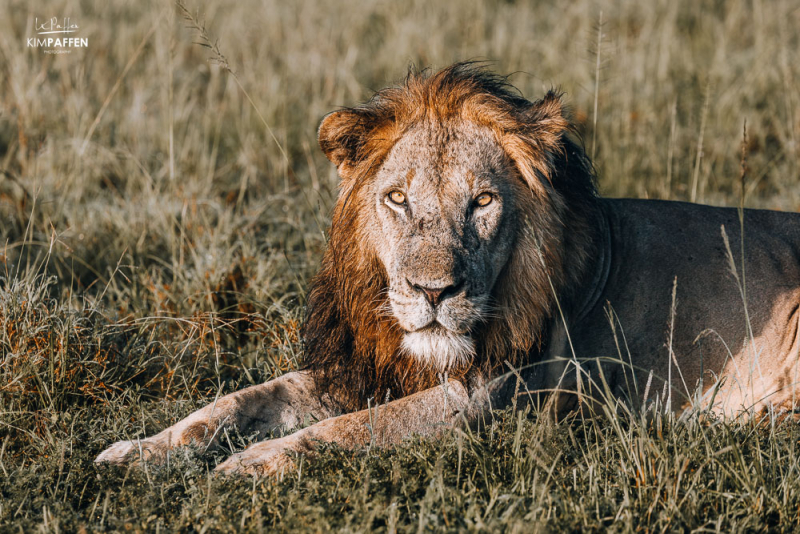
x=472 y=265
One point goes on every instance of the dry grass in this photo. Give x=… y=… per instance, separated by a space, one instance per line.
x=158 y=227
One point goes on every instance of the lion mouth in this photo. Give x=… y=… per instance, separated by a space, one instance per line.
x=433 y=328
x=436 y=328
x=455 y=316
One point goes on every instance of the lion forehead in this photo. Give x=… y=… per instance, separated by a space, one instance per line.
x=437 y=154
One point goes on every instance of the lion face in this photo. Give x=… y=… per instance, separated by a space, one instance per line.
x=445 y=229
x=448 y=241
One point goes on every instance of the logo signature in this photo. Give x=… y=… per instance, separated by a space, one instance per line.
x=59 y=41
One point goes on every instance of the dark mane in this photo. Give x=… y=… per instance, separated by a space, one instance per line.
x=351 y=344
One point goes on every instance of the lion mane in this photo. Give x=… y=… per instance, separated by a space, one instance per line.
x=352 y=345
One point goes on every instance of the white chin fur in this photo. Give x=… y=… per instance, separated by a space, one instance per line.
x=440 y=349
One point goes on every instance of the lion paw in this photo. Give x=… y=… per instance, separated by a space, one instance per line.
x=131 y=452
x=259 y=460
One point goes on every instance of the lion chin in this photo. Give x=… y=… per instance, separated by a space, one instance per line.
x=439 y=348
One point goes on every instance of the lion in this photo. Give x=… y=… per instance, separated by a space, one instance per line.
x=472 y=265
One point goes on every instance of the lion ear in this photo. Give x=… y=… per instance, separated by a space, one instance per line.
x=341 y=136
x=549 y=119
x=534 y=143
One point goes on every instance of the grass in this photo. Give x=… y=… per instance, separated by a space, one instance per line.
x=160 y=220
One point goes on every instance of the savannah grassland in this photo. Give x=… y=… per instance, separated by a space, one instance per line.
x=157 y=238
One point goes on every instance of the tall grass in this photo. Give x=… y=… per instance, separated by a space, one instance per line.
x=160 y=220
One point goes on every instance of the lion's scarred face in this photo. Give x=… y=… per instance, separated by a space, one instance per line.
x=445 y=229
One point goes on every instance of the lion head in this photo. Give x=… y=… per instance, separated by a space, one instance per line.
x=465 y=213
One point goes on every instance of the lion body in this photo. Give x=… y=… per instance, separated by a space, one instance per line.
x=470 y=253
x=741 y=357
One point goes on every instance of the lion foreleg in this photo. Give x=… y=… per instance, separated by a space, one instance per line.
x=426 y=413
x=282 y=403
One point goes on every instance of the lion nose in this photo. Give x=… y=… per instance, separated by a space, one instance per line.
x=435 y=295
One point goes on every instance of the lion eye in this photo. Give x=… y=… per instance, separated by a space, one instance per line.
x=397 y=198
x=484 y=199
